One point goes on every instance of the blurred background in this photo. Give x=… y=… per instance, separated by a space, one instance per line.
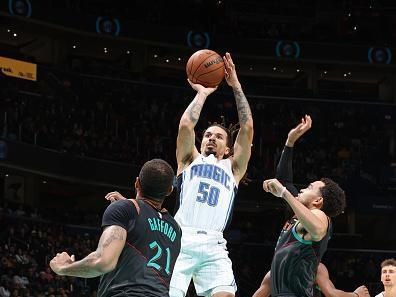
x=90 y=90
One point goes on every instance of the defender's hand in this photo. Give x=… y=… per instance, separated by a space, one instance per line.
x=114 y=196
x=362 y=291
x=61 y=260
x=299 y=130
x=274 y=187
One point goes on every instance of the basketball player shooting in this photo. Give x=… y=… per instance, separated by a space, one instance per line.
x=207 y=184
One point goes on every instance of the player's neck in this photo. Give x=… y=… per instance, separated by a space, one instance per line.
x=156 y=204
x=390 y=291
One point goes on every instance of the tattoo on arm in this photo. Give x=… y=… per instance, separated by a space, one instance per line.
x=194 y=111
x=88 y=267
x=243 y=107
x=116 y=234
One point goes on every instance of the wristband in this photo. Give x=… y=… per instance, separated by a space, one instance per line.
x=281 y=195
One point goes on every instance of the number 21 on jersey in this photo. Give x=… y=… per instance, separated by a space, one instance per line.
x=153 y=262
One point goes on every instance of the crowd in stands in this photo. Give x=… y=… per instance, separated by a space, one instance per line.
x=132 y=121
x=27 y=244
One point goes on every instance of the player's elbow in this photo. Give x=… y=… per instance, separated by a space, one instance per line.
x=105 y=266
x=247 y=130
x=247 y=125
x=318 y=233
x=185 y=123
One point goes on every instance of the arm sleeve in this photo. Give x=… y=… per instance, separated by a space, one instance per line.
x=284 y=170
x=121 y=213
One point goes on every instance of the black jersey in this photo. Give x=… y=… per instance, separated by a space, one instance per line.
x=295 y=262
x=152 y=245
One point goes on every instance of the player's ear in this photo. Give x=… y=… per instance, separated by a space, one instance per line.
x=318 y=202
x=137 y=184
x=170 y=191
x=227 y=151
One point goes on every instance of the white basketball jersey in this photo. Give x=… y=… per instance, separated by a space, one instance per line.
x=206 y=194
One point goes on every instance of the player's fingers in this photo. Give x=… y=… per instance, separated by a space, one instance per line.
x=265 y=185
x=309 y=119
x=228 y=55
x=272 y=187
x=109 y=197
x=110 y=194
x=226 y=62
x=299 y=126
x=230 y=63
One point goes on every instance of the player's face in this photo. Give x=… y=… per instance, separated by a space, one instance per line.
x=310 y=193
x=388 y=276
x=214 y=141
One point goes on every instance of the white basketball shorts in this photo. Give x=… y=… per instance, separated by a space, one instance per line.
x=204 y=258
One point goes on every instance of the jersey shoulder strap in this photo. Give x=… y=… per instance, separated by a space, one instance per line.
x=136 y=205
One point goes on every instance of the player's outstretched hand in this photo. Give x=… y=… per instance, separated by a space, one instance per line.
x=274 y=187
x=362 y=291
x=299 y=130
x=230 y=72
x=114 y=196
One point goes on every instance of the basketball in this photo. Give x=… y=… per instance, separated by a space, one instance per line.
x=205 y=67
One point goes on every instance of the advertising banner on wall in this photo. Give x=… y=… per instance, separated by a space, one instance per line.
x=19 y=69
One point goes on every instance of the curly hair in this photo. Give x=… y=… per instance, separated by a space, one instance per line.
x=333 y=198
x=388 y=262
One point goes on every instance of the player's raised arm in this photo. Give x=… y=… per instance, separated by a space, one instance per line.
x=185 y=146
x=284 y=169
x=243 y=142
x=314 y=220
